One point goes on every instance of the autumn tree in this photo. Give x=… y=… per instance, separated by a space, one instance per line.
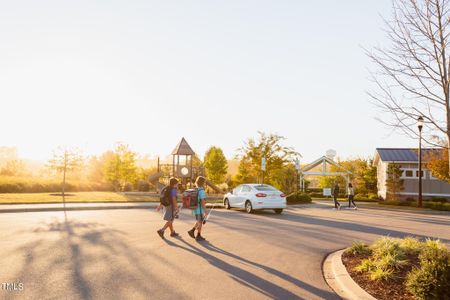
x=13 y=167
x=65 y=160
x=437 y=163
x=216 y=165
x=412 y=73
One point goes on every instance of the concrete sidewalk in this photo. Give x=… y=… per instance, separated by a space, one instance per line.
x=17 y=208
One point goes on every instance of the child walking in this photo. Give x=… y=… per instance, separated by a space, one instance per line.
x=337 y=205
x=200 y=210
x=170 y=211
x=351 y=196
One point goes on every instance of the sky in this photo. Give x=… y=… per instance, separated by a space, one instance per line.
x=92 y=73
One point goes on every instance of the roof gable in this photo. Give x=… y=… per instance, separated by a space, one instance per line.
x=183 y=148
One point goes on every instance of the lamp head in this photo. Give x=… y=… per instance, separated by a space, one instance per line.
x=420 y=122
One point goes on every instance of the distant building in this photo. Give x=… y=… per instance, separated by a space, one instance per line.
x=407 y=159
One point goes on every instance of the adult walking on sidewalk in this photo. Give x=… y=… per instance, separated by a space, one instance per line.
x=200 y=210
x=351 y=196
x=171 y=210
x=337 y=205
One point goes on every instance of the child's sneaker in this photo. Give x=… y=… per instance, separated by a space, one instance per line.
x=174 y=234
x=191 y=233
x=199 y=238
x=160 y=233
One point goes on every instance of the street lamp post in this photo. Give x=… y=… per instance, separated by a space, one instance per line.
x=420 y=126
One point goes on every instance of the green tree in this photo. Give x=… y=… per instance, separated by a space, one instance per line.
x=216 y=165
x=66 y=160
x=277 y=157
x=120 y=167
x=394 y=184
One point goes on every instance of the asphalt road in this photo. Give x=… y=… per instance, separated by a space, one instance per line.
x=117 y=254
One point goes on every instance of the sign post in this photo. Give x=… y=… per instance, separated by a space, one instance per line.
x=297 y=168
x=263 y=167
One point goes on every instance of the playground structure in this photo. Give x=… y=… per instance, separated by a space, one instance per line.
x=182 y=168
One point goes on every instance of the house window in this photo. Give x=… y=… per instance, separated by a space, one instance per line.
x=417 y=174
x=409 y=173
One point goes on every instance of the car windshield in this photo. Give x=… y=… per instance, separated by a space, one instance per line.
x=265 y=188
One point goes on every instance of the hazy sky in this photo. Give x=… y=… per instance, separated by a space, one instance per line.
x=90 y=73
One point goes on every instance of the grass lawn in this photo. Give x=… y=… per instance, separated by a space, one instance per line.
x=30 y=198
x=81 y=197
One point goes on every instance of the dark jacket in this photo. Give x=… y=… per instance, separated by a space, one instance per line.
x=336 y=191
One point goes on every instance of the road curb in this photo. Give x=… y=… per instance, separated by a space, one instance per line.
x=339 y=280
x=87 y=207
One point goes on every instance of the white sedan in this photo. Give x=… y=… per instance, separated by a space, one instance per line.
x=255 y=196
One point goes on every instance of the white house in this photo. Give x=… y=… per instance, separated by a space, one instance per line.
x=407 y=158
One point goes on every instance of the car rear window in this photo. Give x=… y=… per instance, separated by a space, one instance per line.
x=265 y=188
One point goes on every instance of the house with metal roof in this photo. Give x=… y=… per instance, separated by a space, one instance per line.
x=407 y=159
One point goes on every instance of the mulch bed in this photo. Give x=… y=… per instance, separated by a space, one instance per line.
x=382 y=290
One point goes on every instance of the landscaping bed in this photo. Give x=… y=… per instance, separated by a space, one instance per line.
x=400 y=268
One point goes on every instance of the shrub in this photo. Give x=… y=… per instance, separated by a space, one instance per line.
x=128 y=187
x=361 y=196
x=298 y=198
x=358 y=248
x=316 y=195
x=437 y=205
x=372 y=196
x=439 y=199
x=391 y=262
x=143 y=186
x=411 y=245
x=386 y=246
x=366 y=265
x=431 y=280
x=381 y=274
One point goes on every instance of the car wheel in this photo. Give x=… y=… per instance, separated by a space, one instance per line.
x=226 y=203
x=248 y=207
x=278 y=210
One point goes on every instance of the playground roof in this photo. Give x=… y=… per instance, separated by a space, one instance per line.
x=183 y=148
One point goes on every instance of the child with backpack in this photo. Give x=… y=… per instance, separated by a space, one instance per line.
x=168 y=202
x=200 y=210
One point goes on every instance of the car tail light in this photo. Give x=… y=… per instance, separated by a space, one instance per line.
x=282 y=195
x=261 y=195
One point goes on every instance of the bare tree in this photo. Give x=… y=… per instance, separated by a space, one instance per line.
x=412 y=75
x=63 y=161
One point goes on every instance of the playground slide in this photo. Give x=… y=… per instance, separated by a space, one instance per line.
x=154 y=179
x=214 y=187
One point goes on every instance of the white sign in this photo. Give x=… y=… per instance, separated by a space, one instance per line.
x=297 y=164
x=263 y=164
x=327 y=192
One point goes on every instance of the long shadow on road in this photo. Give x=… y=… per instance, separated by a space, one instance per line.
x=249 y=279
x=266 y=221
x=73 y=258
